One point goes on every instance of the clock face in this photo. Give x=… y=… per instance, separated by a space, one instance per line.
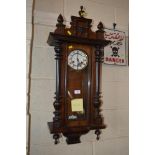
x=77 y=60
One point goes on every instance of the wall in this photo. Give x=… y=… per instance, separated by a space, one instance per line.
x=29 y=41
x=114 y=139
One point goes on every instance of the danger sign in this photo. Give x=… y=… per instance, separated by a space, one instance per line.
x=115 y=53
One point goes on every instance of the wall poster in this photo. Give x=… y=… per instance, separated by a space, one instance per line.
x=115 y=53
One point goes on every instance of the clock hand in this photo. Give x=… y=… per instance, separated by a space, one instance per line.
x=79 y=63
x=77 y=60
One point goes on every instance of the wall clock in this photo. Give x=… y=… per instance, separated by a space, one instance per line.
x=79 y=53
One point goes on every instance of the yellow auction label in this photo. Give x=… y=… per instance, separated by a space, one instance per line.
x=70 y=46
x=69 y=32
x=77 y=105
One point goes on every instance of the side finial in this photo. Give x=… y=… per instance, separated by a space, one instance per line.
x=60 y=19
x=60 y=26
x=100 y=27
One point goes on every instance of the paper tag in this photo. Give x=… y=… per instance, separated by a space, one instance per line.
x=77 y=91
x=77 y=104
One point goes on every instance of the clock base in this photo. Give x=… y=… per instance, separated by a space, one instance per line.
x=72 y=138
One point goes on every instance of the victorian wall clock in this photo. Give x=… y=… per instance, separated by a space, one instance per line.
x=79 y=53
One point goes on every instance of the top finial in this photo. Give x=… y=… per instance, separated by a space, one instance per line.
x=82 y=12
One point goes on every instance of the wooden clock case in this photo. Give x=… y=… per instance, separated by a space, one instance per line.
x=78 y=36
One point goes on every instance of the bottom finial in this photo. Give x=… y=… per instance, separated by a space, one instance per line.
x=56 y=137
x=98 y=132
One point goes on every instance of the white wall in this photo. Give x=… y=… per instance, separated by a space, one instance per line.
x=29 y=40
x=114 y=139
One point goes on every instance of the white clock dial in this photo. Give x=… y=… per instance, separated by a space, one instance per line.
x=77 y=60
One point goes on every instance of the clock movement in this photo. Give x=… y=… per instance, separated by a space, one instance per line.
x=79 y=54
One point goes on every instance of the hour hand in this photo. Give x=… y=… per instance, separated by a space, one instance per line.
x=80 y=63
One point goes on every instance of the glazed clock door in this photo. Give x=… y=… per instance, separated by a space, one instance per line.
x=78 y=79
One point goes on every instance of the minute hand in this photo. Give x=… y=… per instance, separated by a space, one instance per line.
x=77 y=60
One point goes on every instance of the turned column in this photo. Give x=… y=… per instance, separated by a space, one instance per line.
x=57 y=119
x=98 y=59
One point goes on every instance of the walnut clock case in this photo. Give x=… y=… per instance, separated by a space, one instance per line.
x=79 y=54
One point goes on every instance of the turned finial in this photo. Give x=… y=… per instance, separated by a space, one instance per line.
x=82 y=12
x=60 y=26
x=60 y=19
x=100 y=27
